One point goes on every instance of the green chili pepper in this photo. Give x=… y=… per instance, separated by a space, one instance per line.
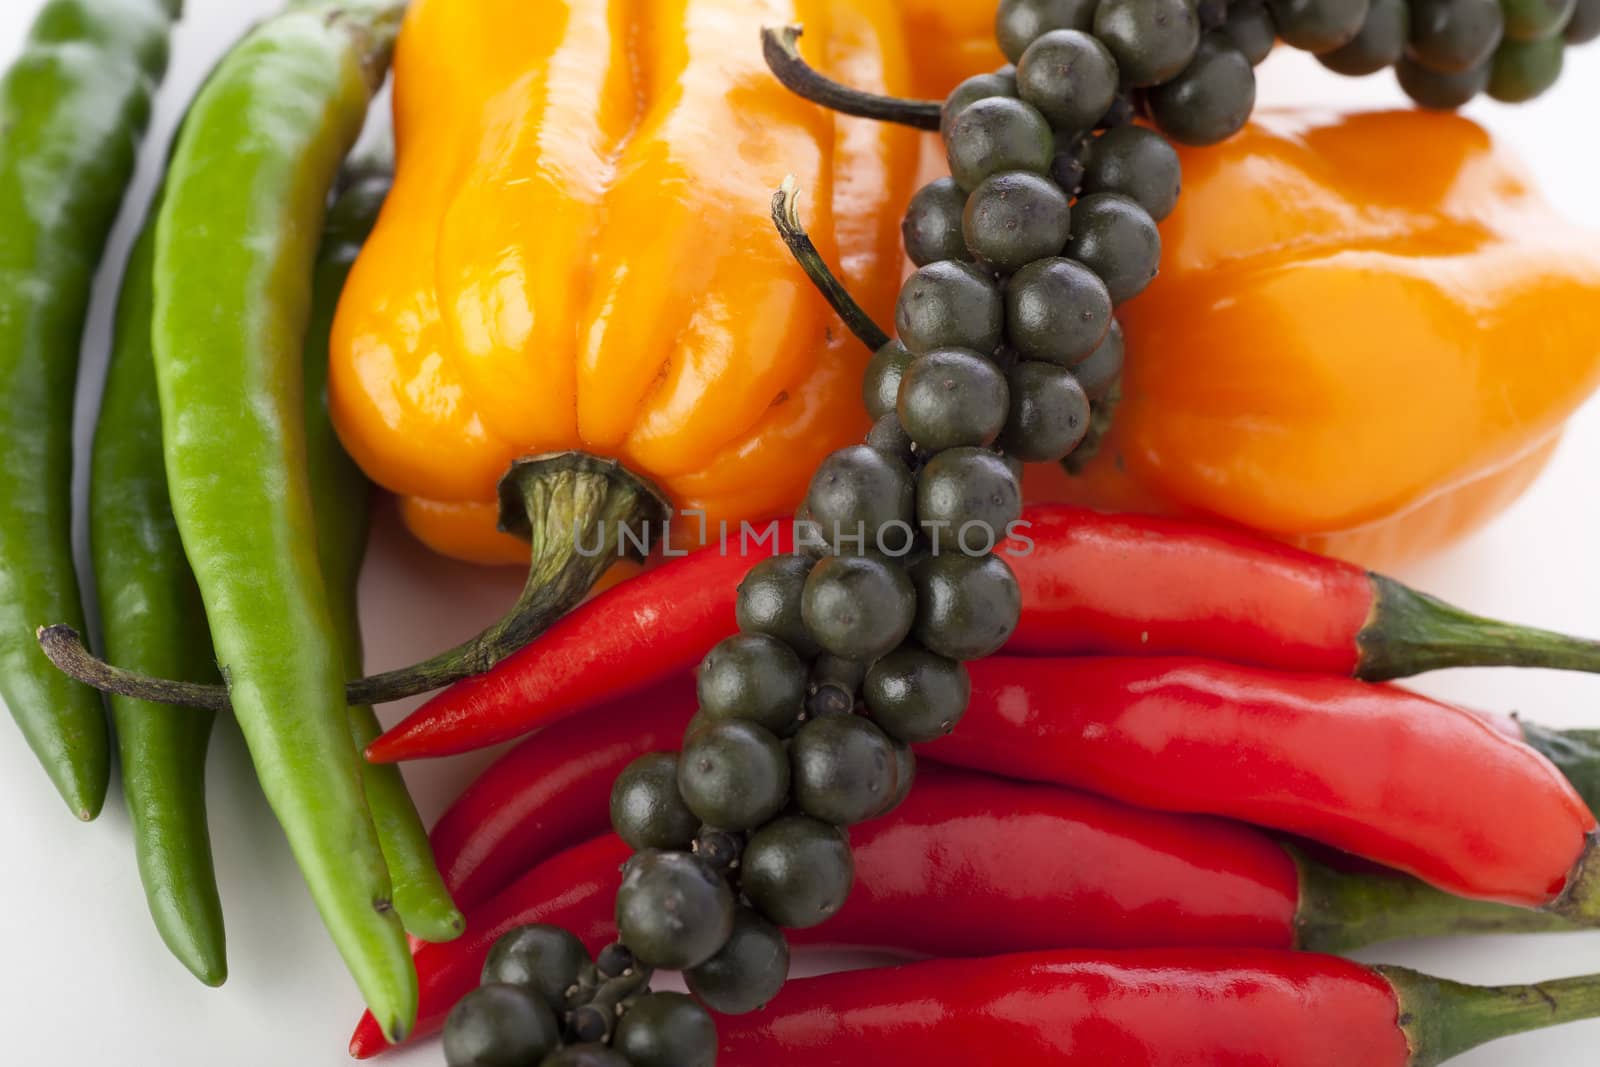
x=340 y=495
x=235 y=246
x=72 y=111
x=151 y=614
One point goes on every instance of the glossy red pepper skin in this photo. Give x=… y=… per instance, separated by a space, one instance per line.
x=647 y=628
x=552 y=791
x=969 y=865
x=1138 y=585
x=1091 y=583
x=1394 y=777
x=1153 y=1007
x=972 y=865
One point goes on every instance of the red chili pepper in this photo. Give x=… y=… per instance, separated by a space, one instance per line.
x=552 y=791
x=974 y=865
x=1108 y=584
x=1155 y=1008
x=1377 y=771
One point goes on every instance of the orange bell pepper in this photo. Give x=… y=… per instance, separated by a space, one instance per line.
x=577 y=254
x=953 y=39
x=1367 y=334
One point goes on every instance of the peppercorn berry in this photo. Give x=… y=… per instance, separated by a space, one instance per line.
x=880 y=387
x=754 y=677
x=953 y=397
x=673 y=912
x=542 y=959
x=997 y=134
x=666 y=1030
x=1380 y=44
x=1100 y=372
x=500 y=1026
x=1454 y=36
x=843 y=769
x=1049 y=413
x=1070 y=77
x=1015 y=218
x=734 y=775
x=1138 y=163
x=858 y=607
x=978 y=87
x=967 y=605
x=769 y=601
x=950 y=305
x=1019 y=23
x=932 y=226
x=1057 y=310
x=1523 y=70
x=858 y=495
x=1118 y=240
x=646 y=808
x=916 y=695
x=1537 y=20
x=962 y=485
x=1584 y=26
x=1211 y=99
x=1251 y=30
x=888 y=437
x=797 y=871
x=1151 y=40
x=748 y=971
x=1441 y=92
x=1318 y=26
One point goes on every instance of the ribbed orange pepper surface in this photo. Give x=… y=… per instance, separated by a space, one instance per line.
x=577 y=254
x=1367 y=334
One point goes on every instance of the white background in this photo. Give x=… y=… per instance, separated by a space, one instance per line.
x=85 y=980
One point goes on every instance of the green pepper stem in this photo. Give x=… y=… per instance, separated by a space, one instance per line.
x=1580 y=901
x=580 y=513
x=780 y=47
x=1341 y=910
x=786 y=217
x=1410 y=632
x=1443 y=1019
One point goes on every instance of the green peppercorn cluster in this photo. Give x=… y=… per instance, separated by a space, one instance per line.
x=853 y=648
x=1444 y=52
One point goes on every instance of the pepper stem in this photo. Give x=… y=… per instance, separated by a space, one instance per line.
x=1443 y=1019
x=781 y=48
x=579 y=512
x=1343 y=910
x=1410 y=632
x=1580 y=900
x=786 y=217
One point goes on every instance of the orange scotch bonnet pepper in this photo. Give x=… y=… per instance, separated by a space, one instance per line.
x=1366 y=337
x=578 y=257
